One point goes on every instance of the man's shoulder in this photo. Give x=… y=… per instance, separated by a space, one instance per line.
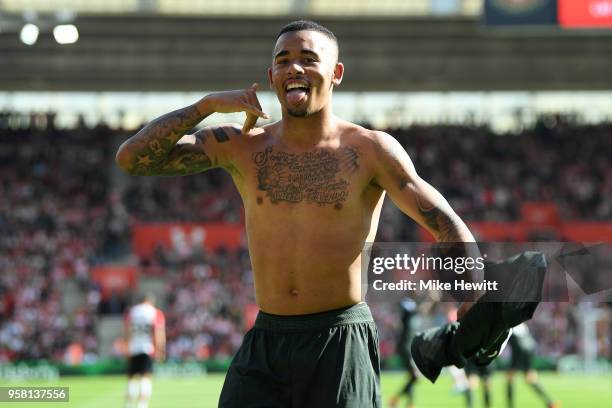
x=228 y=137
x=222 y=132
x=370 y=137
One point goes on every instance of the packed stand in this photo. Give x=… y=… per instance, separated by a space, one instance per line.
x=57 y=218
x=487 y=177
x=206 y=296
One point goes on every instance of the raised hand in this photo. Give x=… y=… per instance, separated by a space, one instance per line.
x=243 y=100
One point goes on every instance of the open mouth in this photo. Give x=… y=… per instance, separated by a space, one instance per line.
x=297 y=91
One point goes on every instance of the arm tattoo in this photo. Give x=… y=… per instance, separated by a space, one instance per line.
x=395 y=168
x=189 y=163
x=444 y=224
x=446 y=227
x=153 y=145
x=222 y=134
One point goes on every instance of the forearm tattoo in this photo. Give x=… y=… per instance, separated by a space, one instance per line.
x=319 y=177
x=187 y=159
x=445 y=227
x=154 y=145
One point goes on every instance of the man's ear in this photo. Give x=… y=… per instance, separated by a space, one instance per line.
x=270 y=78
x=338 y=74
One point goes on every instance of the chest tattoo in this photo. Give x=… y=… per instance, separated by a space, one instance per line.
x=320 y=177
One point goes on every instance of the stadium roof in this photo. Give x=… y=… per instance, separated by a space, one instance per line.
x=250 y=7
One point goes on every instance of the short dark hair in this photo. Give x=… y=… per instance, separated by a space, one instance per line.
x=307 y=25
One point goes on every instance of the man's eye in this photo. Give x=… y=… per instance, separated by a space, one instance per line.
x=281 y=62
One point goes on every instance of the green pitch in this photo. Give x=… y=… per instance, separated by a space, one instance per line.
x=107 y=391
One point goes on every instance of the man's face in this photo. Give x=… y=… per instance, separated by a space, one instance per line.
x=304 y=71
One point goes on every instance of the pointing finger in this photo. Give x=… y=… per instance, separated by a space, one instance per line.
x=249 y=123
x=248 y=108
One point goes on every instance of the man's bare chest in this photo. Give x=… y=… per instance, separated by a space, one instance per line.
x=324 y=177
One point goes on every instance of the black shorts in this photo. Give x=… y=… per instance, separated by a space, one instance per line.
x=483 y=372
x=521 y=360
x=140 y=364
x=405 y=356
x=403 y=349
x=321 y=360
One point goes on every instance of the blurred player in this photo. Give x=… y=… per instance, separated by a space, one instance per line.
x=312 y=185
x=475 y=375
x=523 y=347
x=460 y=380
x=408 y=310
x=146 y=335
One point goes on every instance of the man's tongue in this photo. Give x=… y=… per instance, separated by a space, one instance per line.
x=296 y=95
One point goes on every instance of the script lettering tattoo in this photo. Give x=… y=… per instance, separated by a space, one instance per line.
x=319 y=177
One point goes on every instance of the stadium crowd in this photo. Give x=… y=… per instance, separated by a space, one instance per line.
x=62 y=211
x=56 y=216
x=206 y=295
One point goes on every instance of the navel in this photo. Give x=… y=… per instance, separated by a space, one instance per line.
x=259 y=201
x=294 y=292
x=338 y=206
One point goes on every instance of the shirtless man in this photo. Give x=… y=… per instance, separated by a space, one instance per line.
x=312 y=185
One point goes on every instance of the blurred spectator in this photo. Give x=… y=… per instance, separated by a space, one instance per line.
x=53 y=205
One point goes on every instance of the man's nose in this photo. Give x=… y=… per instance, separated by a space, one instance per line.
x=296 y=68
